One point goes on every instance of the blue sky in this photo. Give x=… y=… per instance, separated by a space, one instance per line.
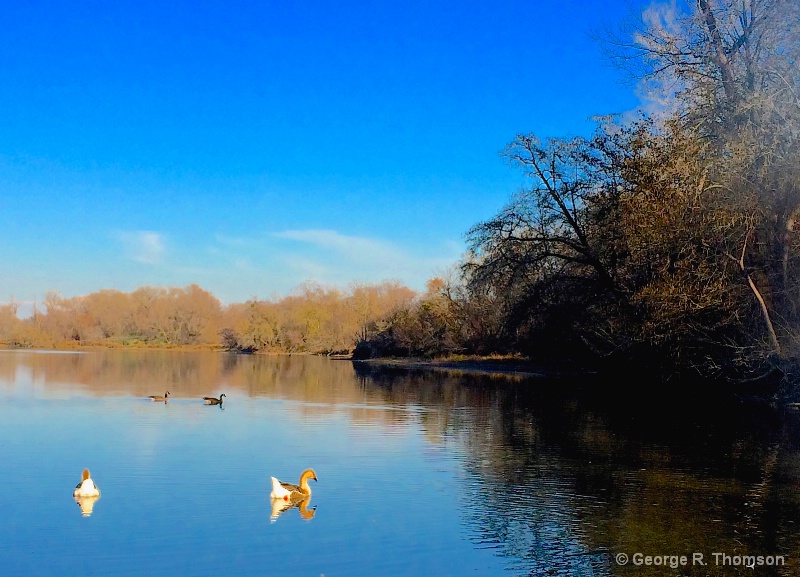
x=250 y=146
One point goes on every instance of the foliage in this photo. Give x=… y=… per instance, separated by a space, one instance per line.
x=311 y=319
x=670 y=238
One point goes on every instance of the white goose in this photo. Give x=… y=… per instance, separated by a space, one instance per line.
x=86 y=488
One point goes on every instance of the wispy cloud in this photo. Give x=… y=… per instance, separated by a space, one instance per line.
x=332 y=257
x=353 y=247
x=144 y=246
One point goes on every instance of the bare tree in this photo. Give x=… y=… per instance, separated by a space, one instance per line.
x=712 y=62
x=731 y=73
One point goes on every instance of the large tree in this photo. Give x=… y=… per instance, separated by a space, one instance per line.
x=551 y=258
x=636 y=242
x=732 y=70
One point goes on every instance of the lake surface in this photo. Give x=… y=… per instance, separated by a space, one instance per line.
x=420 y=473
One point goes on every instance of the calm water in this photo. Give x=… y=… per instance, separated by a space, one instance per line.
x=420 y=473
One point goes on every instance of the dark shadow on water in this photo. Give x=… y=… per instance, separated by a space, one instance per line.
x=563 y=474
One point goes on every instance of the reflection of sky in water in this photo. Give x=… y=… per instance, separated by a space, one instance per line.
x=418 y=474
x=185 y=488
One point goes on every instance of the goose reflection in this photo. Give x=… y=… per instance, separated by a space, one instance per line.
x=279 y=506
x=86 y=504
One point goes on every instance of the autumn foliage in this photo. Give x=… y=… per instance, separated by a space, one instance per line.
x=312 y=319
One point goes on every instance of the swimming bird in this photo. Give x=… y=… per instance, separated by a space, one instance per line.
x=214 y=400
x=290 y=492
x=163 y=399
x=86 y=488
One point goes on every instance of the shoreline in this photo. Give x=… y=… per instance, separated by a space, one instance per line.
x=490 y=365
x=494 y=366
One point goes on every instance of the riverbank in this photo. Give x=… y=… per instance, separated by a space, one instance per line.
x=622 y=380
x=511 y=365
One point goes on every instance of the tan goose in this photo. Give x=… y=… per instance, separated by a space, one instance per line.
x=163 y=399
x=290 y=492
x=214 y=400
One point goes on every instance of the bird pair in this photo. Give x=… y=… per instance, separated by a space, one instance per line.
x=280 y=490
x=208 y=400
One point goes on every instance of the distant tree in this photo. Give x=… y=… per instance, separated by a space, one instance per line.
x=373 y=302
x=230 y=340
x=9 y=322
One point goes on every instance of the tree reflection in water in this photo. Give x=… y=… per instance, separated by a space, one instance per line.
x=555 y=477
x=558 y=478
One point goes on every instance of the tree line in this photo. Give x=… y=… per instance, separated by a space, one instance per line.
x=669 y=240
x=311 y=319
